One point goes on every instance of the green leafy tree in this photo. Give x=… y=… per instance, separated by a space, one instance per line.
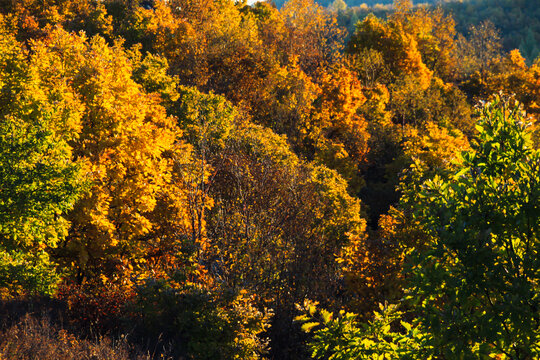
x=342 y=337
x=476 y=283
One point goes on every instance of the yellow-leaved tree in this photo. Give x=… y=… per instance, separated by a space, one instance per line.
x=123 y=137
x=39 y=120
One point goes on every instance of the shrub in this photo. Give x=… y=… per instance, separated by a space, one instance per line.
x=97 y=307
x=198 y=323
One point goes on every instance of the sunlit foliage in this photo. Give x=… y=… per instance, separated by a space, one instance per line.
x=181 y=174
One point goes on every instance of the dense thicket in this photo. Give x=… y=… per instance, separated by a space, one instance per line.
x=182 y=175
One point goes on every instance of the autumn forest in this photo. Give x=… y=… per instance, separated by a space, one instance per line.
x=217 y=179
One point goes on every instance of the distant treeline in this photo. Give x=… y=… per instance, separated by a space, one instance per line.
x=518 y=21
x=365 y=3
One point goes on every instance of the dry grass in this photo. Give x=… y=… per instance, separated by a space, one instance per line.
x=32 y=338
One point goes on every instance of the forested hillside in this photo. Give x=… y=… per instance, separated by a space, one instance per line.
x=208 y=179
